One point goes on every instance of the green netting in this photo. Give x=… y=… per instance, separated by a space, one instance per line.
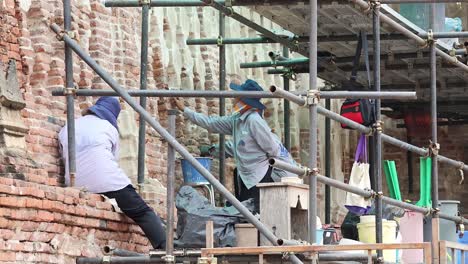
x=392 y=179
x=425 y=177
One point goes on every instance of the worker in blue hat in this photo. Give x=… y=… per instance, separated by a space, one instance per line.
x=97 y=168
x=252 y=145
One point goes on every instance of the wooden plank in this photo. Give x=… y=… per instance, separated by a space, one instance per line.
x=427 y=253
x=282 y=184
x=455 y=245
x=443 y=252
x=308 y=248
x=435 y=240
x=209 y=234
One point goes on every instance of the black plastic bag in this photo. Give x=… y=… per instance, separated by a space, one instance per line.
x=193 y=210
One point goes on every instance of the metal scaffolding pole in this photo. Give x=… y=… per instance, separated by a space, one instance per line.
x=434 y=148
x=155 y=3
x=421 y=1
x=261 y=64
x=377 y=166
x=222 y=101
x=69 y=91
x=239 y=94
x=143 y=86
x=171 y=140
x=171 y=163
x=327 y=163
x=286 y=108
x=313 y=116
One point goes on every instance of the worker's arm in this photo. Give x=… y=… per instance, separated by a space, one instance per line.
x=215 y=124
x=261 y=133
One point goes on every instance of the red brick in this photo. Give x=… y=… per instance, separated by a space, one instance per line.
x=7 y=256
x=11 y=201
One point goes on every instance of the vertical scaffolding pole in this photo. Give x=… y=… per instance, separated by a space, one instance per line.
x=222 y=101
x=143 y=86
x=434 y=164
x=313 y=121
x=327 y=162
x=170 y=187
x=70 y=95
x=286 y=108
x=377 y=133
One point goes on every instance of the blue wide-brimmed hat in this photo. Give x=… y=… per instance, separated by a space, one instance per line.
x=107 y=108
x=249 y=85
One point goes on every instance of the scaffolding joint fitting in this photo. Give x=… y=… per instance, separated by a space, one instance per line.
x=168 y=258
x=207 y=260
x=462 y=174
x=106 y=259
x=314 y=171
x=144 y=2
x=290 y=74
x=380 y=260
x=313 y=97
x=378 y=126
x=70 y=34
x=433 y=148
x=70 y=91
x=219 y=41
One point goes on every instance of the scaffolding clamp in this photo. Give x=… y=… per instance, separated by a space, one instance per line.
x=378 y=126
x=70 y=91
x=312 y=98
x=290 y=74
x=144 y=2
x=106 y=259
x=462 y=174
x=71 y=34
x=168 y=258
x=219 y=41
x=207 y=260
x=433 y=149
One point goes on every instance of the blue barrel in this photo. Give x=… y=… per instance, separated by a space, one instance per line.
x=191 y=175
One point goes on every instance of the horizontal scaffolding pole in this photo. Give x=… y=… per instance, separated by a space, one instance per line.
x=170 y=139
x=363 y=129
x=304 y=171
x=240 y=94
x=421 y=1
x=155 y=3
x=438 y=35
x=290 y=62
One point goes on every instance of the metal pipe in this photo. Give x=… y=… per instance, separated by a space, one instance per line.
x=364 y=5
x=171 y=163
x=434 y=162
x=70 y=87
x=421 y=1
x=143 y=86
x=222 y=101
x=439 y=35
x=152 y=259
x=260 y=64
x=313 y=116
x=262 y=40
x=327 y=164
x=286 y=108
x=377 y=134
x=119 y=252
x=239 y=94
x=155 y=3
x=287 y=95
x=171 y=140
x=267 y=33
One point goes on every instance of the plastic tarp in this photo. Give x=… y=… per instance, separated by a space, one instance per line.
x=194 y=210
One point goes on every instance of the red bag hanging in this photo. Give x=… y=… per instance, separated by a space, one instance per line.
x=358 y=110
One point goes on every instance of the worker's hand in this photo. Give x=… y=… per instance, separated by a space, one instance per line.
x=179 y=103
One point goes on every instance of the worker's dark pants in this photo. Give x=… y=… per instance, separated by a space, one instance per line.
x=242 y=193
x=131 y=203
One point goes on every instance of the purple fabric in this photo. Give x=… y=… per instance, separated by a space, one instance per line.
x=361 y=150
x=357 y=209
